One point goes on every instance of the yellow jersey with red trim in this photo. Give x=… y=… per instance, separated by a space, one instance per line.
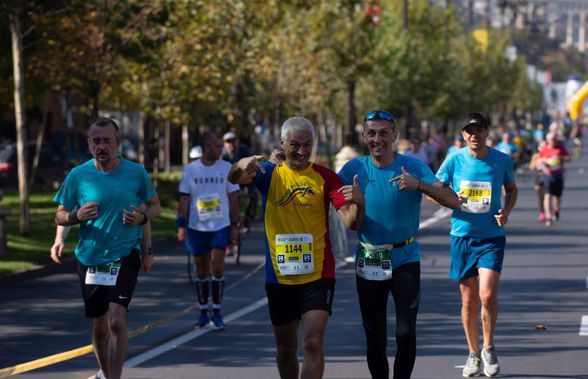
x=296 y=209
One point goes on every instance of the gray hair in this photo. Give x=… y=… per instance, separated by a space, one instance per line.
x=294 y=124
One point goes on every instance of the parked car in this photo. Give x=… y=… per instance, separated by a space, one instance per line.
x=52 y=169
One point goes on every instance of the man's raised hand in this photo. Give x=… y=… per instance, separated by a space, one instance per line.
x=352 y=193
x=406 y=181
x=251 y=164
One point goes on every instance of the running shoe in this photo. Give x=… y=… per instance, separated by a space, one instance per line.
x=99 y=375
x=217 y=321
x=541 y=217
x=203 y=320
x=556 y=213
x=473 y=366
x=491 y=366
x=548 y=222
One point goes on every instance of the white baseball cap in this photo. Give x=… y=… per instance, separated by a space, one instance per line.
x=229 y=135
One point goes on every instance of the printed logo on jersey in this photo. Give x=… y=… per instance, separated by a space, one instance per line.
x=209 y=180
x=367 y=181
x=295 y=192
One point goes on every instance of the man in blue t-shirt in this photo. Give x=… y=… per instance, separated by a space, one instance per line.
x=388 y=257
x=478 y=174
x=103 y=195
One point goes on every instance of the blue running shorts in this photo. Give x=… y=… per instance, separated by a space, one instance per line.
x=198 y=243
x=470 y=253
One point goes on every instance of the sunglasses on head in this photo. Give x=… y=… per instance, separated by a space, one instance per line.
x=379 y=115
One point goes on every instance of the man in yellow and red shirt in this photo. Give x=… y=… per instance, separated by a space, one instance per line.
x=300 y=266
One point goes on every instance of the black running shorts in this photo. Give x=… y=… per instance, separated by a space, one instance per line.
x=97 y=298
x=289 y=302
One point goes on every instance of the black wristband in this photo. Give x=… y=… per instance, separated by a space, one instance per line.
x=72 y=218
x=145 y=219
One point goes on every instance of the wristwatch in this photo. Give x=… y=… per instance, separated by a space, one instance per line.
x=145 y=218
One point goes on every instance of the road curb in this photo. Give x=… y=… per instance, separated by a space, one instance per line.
x=68 y=264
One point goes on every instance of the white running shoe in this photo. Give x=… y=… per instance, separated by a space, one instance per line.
x=491 y=366
x=473 y=366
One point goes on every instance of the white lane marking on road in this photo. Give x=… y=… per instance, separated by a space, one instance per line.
x=584 y=326
x=178 y=341
x=439 y=215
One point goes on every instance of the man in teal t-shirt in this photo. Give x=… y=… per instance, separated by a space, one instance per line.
x=103 y=195
x=388 y=257
x=478 y=174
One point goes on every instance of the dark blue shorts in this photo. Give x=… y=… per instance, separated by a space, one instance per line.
x=553 y=184
x=468 y=254
x=202 y=242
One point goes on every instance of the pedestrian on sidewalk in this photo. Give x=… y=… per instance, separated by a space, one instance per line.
x=300 y=265
x=478 y=174
x=388 y=256
x=208 y=215
x=103 y=195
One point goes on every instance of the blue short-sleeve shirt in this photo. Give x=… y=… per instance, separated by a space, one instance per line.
x=106 y=238
x=391 y=215
x=481 y=181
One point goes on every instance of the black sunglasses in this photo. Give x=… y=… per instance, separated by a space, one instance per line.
x=379 y=115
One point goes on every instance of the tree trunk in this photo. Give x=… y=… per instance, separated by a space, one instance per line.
x=39 y=141
x=166 y=146
x=350 y=119
x=94 y=93
x=322 y=126
x=185 y=145
x=156 y=155
x=141 y=147
x=19 y=113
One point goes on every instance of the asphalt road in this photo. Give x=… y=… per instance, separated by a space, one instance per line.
x=543 y=298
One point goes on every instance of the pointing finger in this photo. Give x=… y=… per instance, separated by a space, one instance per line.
x=395 y=179
x=260 y=167
x=356 y=180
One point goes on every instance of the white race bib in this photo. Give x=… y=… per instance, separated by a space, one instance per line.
x=104 y=274
x=209 y=207
x=294 y=254
x=374 y=262
x=478 y=196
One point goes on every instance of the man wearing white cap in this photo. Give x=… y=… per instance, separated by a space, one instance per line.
x=232 y=152
x=232 y=149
